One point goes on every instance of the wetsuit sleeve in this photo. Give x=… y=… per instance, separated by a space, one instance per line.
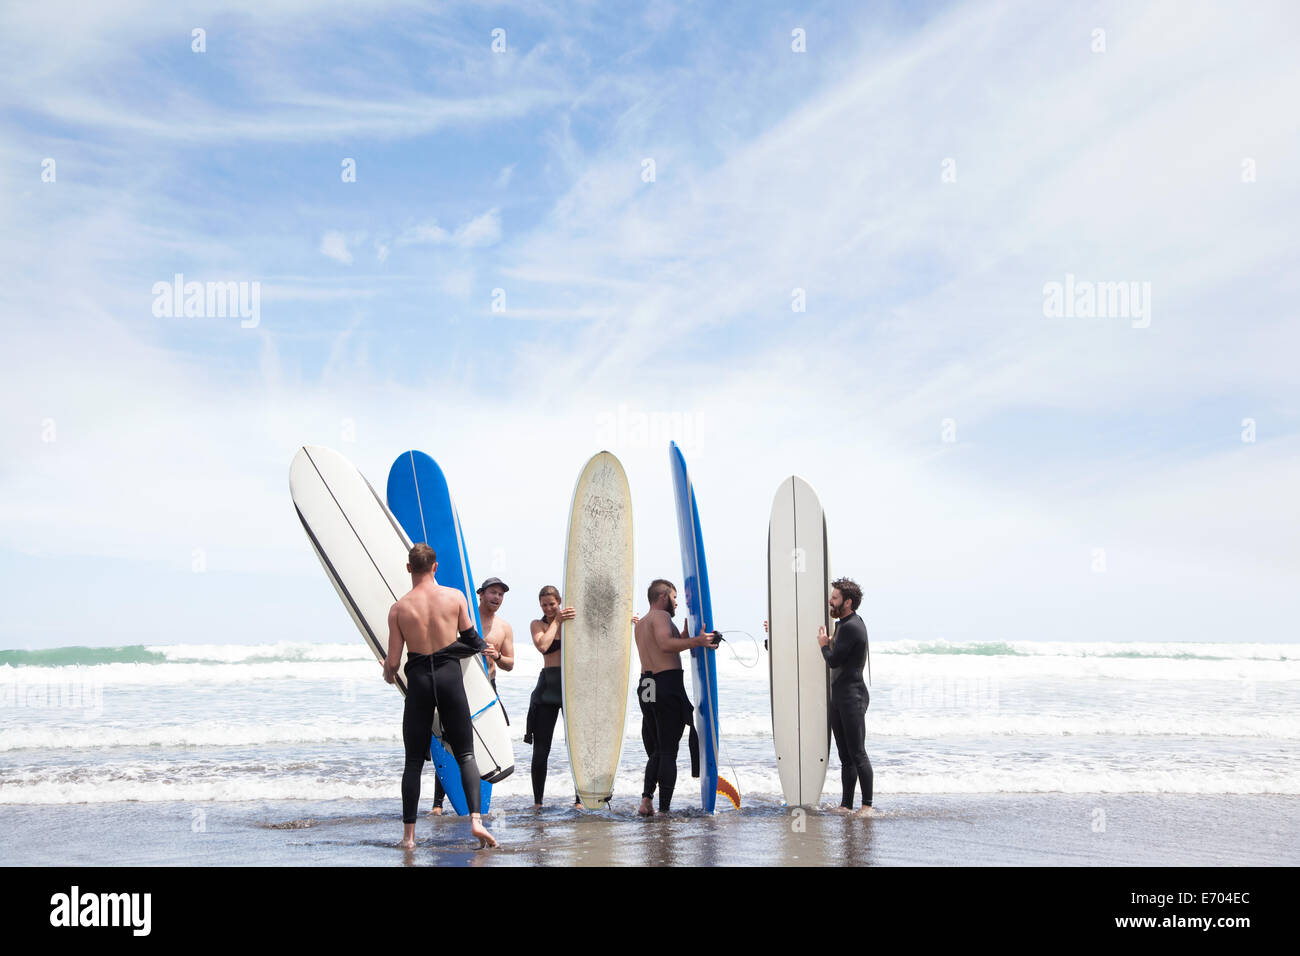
x=846 y=646
x=470 y=636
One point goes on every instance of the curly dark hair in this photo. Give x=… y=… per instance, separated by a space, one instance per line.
x=849 y=590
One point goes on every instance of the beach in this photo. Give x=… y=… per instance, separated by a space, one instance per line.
x=908 y=830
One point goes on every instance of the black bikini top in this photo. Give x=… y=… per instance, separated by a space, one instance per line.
x=555 y=644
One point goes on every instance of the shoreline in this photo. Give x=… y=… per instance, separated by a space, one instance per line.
x=908 y=830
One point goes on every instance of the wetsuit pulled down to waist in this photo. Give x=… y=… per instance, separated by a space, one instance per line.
x=548 y=692
x=434 y=681
x=543 y=711
x=673 y=714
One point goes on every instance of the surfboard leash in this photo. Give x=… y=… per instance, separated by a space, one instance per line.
x=737 y=657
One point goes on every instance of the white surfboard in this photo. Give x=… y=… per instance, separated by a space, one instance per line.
x=596 y=646
x=363 y=550
x=798 y=586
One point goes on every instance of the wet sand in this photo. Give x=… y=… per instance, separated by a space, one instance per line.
x=915 y=830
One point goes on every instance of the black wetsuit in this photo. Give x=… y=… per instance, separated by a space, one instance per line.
x=648 y=735
x=440 y=794
x=544 y=708
x=847 y=655
x=436 y=681
x=672 y=715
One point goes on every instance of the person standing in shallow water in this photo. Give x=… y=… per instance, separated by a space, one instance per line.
x=547 y=699
x=433 y=623
x=846 y=655
x=499 y=638
x=665 y=710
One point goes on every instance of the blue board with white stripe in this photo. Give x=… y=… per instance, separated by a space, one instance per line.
x=419 y=498
x=699 y=614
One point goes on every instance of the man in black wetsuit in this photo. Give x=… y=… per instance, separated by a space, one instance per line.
x=499 y=649
x=665 y=710
x=846 y=654
x=434 y=624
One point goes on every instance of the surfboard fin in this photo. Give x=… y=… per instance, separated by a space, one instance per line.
x=727 y=790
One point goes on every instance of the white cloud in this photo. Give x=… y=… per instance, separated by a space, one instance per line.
x=924 y=303
x=483 y=230
x=335 y=245
x=419 y=235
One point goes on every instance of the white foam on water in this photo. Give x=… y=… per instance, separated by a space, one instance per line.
x=189 y=673
x=200 y=734
x=751 y=780
x=958 y=724
x=242 y=653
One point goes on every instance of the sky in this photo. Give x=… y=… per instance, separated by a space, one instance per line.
x=814 y=239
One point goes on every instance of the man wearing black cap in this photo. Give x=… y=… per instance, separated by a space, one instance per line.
x=500 y=639
x=500 y=636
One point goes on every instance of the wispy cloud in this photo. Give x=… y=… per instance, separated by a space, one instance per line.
x=672 y=200
x=335 y=245
x=482 y=230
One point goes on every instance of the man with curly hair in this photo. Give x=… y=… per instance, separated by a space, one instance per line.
x=846 y=654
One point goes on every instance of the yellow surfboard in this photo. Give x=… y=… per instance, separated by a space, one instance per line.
x=596 y=648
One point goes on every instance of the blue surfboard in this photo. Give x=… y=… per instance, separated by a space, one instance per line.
x=699 y=616
x=419 y=498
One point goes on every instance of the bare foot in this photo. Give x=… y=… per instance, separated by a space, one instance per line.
x=842 y=811
x=647 y=808
x=408 y=836
x=537 y=806
x=476 y=827
x=436 y=812
x=865 y=811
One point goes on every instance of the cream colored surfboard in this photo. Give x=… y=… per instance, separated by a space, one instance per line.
x=596 y=646
x=798 y=586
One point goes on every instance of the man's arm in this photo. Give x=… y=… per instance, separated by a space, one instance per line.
x=846 y=641
x=395 y=641
x=661 y=629
x=465 y=625
x=506 y=652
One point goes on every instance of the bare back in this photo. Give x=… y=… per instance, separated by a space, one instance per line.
x=651 y=631
x=430 y=617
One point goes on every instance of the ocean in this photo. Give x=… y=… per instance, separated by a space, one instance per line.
x=277 y=734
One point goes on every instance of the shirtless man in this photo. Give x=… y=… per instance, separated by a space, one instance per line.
x=665 y=710
x=500 y=639
x=434 y=624
x=500 y=636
